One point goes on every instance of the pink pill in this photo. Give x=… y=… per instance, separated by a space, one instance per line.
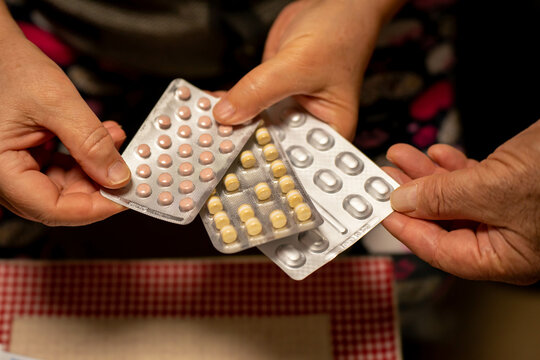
x=143 y=190
x=165 y=198
x=183 y=93
x=143 y=150
x=186 y=187
x=184 y=131
x=205 y=140
x=226 y=146
x=164 y=141
x=164 y=160
x=225 y=130
x=164 y=122
x=206 y=158
x=204 y=122
x=185 y=150
x=165 y=179
x=204 y=103
x=206 y=174
x=183 y=113
x=185 y=169
x=186 y=204
x=143 y=171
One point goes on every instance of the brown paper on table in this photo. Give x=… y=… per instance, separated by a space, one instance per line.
x=238 y=338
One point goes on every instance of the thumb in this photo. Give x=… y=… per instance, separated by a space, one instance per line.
x=461 y=194
x=90 y=144
x=265 y=85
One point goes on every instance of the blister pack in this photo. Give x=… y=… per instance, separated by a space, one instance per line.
x=178 y=155
x=259 y=200
x=351 y=193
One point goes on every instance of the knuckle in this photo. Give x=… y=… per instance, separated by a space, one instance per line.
x=96 y=141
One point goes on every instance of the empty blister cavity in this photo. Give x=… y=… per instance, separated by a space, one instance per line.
x=320 y=139
x=349 y=163
x=293 y=117
x=358 y=206
x=299 y=156
x=328 y=181
x=290 y=255
x=378 y=188
x=313 y=241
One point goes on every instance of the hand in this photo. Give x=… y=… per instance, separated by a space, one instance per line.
x=490 y=210
x=38 y=102
x=316 y=50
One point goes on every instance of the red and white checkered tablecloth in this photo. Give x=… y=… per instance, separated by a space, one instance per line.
x=357 y=293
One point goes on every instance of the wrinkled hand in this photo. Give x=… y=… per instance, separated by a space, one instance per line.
x=318 y=51
x=39 y=102
x=490 y=210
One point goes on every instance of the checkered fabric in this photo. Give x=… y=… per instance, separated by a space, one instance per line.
x=357 y=293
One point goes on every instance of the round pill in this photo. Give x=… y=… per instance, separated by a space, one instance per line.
x=143 y=190
x=185 y=169
x=270 y=152
x=165 y=198
x=183 y=93
x=221 y=219
x=164 y=141
x=286 y=183
x=205 y=140
x=204 y=122
x=302 y=211
x=225 y=130
x=262 y=190
x=278 y=168
x=228 y=234
x=278 y=219
x=164 y=161
x=163 y=121
x=206 y=157
x=214 y=205
x=185 y=150
x=183 y=112
x=143 y=171
x=245 y=211
x=143 y=150
x=165 y=179
x=294 y=198
x=226 y=146
x=247 y=159
x=263 y=136
x=206 y=174
x=204 y=103
x=231 y=182
x=253 y=226
x=186 y=187
x=186 y=204
x=184 y=131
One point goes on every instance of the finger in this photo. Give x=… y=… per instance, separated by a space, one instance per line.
x=262 y=87
x=89 y=142
x=457 y=252
x=117 y=133
x=397 y=174
x=449 y=158
x=411 y=160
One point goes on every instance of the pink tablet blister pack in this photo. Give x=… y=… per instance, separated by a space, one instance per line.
x=178 y=155
x=259 y=200
x=351 y=193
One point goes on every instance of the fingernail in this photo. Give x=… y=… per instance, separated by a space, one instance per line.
x=403 y=199
x=118 y=173
x=224 y=110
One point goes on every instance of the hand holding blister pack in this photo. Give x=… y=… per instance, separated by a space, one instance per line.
x=179 y=155
x=259 y=200
x=351 y=193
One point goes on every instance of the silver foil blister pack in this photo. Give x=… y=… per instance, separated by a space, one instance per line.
x=259 y=200
x=178 y=155
x=350 y=191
